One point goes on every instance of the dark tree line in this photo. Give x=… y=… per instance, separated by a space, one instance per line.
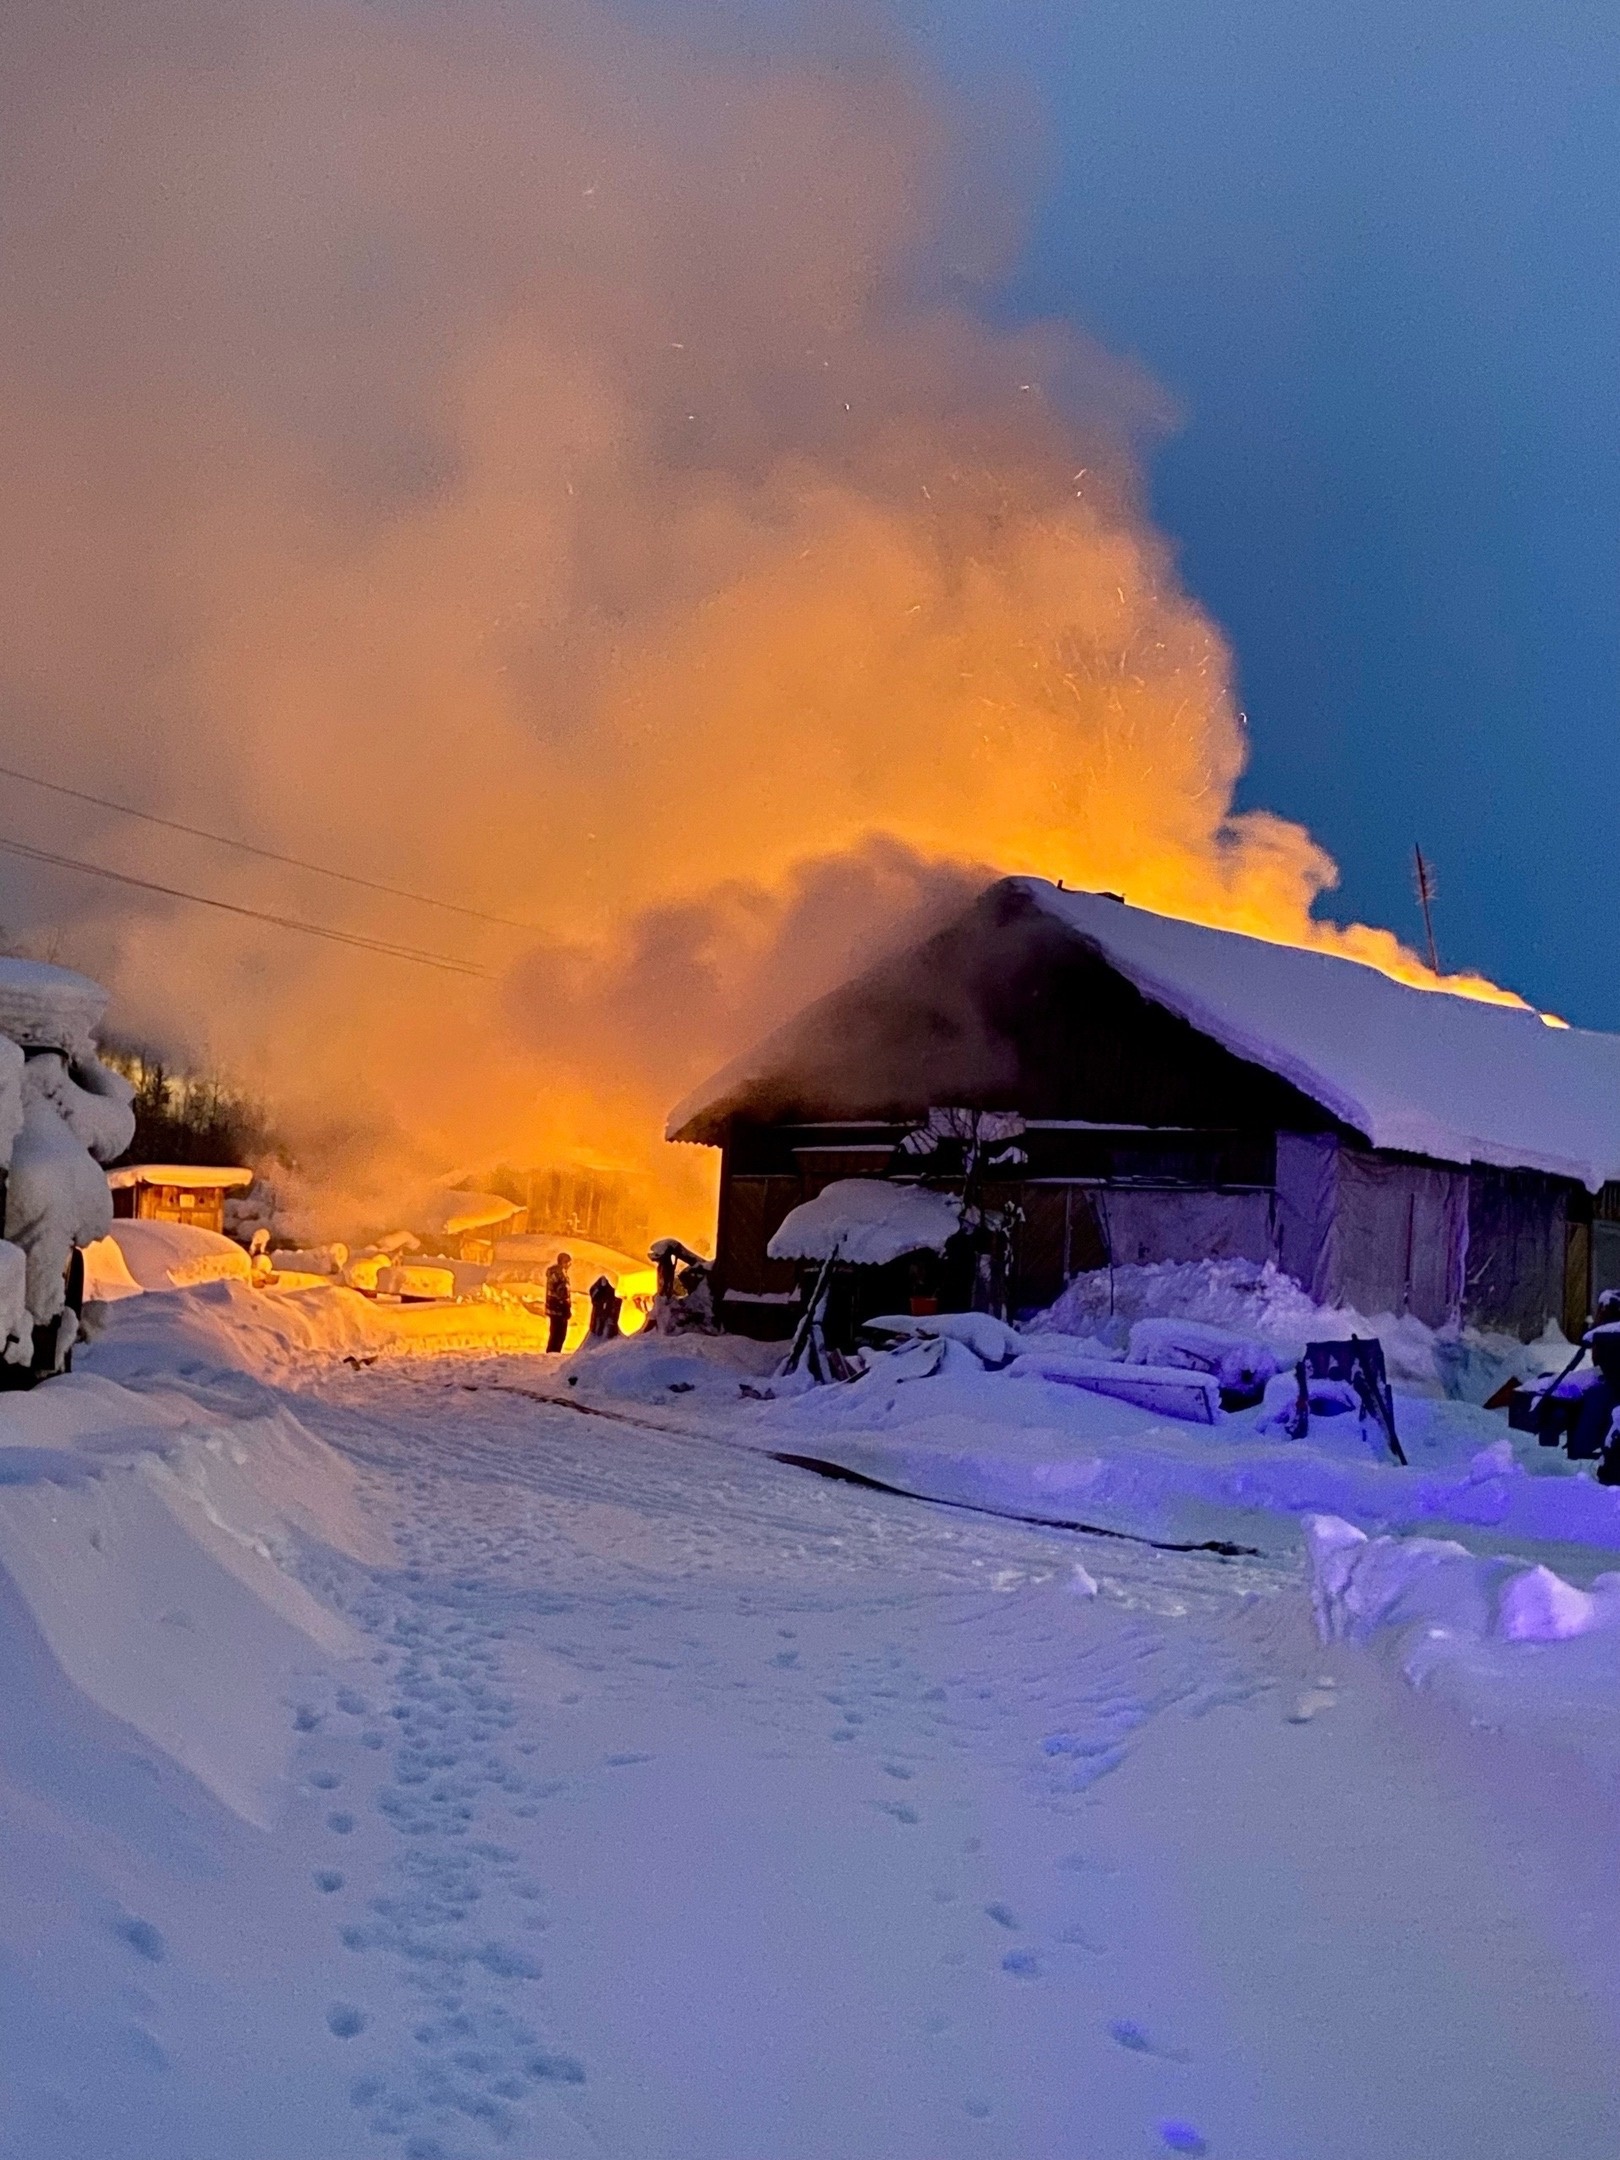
x=183 y=1117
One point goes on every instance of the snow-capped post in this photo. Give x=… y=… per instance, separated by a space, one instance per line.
x=63 y=1115
x=851 y=1224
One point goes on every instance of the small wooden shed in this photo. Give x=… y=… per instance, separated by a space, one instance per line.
x=176 y=1192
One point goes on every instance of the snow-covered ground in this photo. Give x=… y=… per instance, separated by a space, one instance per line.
x=422 y=1748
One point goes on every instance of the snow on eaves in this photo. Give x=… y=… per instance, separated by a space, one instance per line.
x=1420 y=1071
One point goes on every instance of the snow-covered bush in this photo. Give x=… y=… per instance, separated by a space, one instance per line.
x=63 y=1114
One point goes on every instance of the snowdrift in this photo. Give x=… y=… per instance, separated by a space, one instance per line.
x=1510 y=1644
x=154 y=1550
x=163 y=1256
x=223 y=1332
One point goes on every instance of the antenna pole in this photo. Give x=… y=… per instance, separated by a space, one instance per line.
x=1425 y=887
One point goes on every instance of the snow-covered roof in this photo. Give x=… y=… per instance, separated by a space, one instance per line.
x=869 y=1221
x=454 y=1212
x=1421 y=1071
x=1424 y=1072
x=49 y=1008
x=199 y=1177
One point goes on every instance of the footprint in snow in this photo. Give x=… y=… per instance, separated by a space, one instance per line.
x=556 y=2069
x=1182 y=2137
x=344 y=2021
x=341 y=1821
x=328 y=1879
x=1022 y=1964
x=1321 y=1697
x=1002 y=1915
x=143 y=1938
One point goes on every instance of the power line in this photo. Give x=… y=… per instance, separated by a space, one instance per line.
x=232 y=907
x=295 y=862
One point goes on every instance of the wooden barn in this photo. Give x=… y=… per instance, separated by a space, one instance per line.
x=1163 y=1091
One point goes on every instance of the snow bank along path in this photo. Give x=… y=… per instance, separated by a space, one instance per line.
x=658 y=1799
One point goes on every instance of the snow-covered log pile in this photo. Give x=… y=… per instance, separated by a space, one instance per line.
x=62 y=1116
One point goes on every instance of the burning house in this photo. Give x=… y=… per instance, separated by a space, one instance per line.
x=1109 y=1086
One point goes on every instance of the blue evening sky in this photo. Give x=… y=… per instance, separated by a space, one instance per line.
x=1372 y=252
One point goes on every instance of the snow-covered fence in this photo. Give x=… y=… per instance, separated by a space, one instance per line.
x=63 y=1115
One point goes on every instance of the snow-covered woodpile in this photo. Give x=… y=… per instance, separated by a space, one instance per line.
x=63 y=1115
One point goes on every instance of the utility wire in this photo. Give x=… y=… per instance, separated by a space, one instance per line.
x=231 y=907
x=295 y=862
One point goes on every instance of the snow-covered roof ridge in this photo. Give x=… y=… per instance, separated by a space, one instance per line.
x=1424 y=1072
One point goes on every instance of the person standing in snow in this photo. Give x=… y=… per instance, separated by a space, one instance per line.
x=559 y=1301
x=606 y=1306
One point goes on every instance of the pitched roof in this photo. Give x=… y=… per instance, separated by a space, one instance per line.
x=1420 y=1071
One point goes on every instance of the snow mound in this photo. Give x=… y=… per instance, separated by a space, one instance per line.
x=868 y=1222
x=155 y=1550
x=106 y=1273
x=224 y=1332
x=453 y=1212
x=420 y=1279
x=176 y=1256
x=1238 y=1362
x=1262 y=1305
x=684 y=1370
x=1242 y=1297
x=1437 y=1598
x=1539 y=1606
x=50 y=1008
x=992 y=1342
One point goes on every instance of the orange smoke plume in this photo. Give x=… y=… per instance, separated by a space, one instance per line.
x=537 y=462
